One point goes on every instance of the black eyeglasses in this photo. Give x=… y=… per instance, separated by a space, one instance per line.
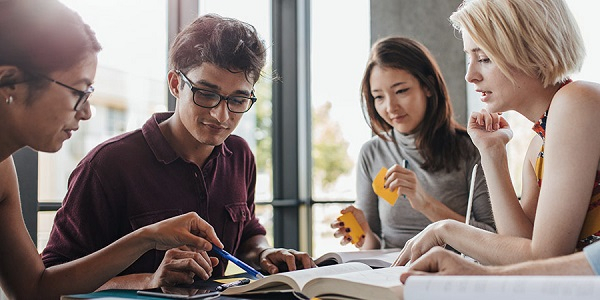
x=209 y=99
x=83 y=95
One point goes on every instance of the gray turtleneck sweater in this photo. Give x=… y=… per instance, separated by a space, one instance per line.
x=397 y=224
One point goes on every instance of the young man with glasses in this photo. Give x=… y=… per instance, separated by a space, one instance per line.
x=180 y=161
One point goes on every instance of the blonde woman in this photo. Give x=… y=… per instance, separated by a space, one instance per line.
x=521 y=55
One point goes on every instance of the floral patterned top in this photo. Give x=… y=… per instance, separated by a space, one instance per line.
x=590 y=233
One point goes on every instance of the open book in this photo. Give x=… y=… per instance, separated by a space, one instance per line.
x=502 y=287
x=350 y=280
x=380 y=258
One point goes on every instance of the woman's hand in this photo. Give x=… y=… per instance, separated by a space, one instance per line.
x=184 y=230
x=405 y=182
x=443 y=262
x=488 y=130
x=422 y=242
x=342 y=231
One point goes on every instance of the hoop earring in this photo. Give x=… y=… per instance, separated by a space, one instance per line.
x=9 y=100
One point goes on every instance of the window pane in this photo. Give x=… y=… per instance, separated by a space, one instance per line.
x=130 y=82
x=338 y=58
x=255 y=126
x=130 y=86
x=45 y=219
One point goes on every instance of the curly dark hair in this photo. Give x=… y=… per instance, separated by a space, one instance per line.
x=225 y=42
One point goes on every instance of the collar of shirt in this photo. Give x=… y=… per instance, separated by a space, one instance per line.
x=160 y=146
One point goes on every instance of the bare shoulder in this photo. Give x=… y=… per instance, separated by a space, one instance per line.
x=577 y=100
x=578 y=94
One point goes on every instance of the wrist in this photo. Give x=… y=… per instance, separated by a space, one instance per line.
x=260 y=255
x=143 y=238
x=493 y=151
x=444 y=229
x=151 y=281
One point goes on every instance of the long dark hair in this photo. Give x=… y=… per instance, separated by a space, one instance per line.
x=437 y=136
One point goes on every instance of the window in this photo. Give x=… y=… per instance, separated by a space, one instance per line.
x=255 y=126
x=338 y=58
x=130 y=86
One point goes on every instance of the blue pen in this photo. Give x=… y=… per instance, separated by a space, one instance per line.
x=238 y=262
x=404 y=165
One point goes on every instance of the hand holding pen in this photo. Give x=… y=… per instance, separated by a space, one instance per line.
x=403 y=180
x=238 y=262
x=398 y=178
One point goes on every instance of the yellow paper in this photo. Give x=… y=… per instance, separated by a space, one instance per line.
x=350 y=222
x=386 y=194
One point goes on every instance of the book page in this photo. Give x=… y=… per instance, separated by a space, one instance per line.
x=296 y=279
x=378 y=284
x=502 y=287
x=379 y=258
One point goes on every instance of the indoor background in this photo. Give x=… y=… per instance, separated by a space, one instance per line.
x=305 y=130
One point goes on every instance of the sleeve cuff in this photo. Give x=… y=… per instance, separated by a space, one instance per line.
x=592 y=253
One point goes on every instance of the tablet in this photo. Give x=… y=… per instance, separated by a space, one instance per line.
x=180 y=293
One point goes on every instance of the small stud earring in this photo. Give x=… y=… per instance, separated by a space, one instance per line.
x=9 y=100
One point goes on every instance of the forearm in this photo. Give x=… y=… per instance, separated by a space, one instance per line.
x=129 y=282
x=90 y=272
x=251 y=249
x=508 y=213
x=574 y=264
x=486 y=247
x=435 y=211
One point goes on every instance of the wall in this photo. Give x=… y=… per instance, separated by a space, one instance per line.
x=427 y=22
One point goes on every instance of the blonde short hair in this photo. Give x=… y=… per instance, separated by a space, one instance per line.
x=538 y=37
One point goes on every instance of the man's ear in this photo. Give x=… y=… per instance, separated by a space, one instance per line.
x=174 y=82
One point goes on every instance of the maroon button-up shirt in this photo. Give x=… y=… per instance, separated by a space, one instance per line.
x=137 y=179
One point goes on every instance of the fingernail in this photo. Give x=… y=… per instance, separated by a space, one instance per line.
x=347 y=229
x=341 y=223
x=349 y=239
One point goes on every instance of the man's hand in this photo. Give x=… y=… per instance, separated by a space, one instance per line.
x=275 y=260
x=181 y=265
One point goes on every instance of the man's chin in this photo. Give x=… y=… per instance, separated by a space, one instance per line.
x=47 y=148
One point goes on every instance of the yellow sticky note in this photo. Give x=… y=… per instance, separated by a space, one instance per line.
x=386 y=194
x=350 y=222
